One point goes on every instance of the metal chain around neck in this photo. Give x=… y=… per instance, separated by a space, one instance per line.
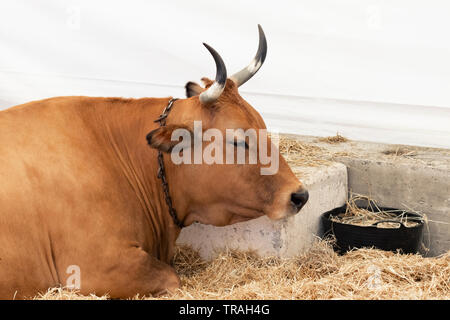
x=162 y=172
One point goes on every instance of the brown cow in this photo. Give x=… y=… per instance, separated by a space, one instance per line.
x=80 y=196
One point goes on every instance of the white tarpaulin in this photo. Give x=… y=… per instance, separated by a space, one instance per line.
x=370 y=70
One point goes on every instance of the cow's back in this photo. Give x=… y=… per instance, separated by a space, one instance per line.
x=54 y=186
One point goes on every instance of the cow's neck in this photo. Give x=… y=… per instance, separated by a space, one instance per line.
x=125 y=127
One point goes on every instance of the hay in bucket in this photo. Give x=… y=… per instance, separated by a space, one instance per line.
x=319 y=273
x=357 y=215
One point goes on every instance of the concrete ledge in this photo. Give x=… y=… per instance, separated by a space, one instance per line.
x=327 y=186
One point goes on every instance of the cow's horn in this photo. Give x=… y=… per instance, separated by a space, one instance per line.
x=215 y=90
x=245 y=74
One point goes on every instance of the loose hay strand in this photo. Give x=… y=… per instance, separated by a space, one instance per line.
x=318 y=273
x=334 y=139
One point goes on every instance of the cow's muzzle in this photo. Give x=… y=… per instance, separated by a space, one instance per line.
x=299 y=199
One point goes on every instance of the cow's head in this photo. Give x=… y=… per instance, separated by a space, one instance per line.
x=222 y=194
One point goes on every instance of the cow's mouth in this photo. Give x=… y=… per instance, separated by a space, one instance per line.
x=236 y=218
x=245 y=216
x=229 y=214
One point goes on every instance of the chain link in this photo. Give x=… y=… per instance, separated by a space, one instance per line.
x=162 y=172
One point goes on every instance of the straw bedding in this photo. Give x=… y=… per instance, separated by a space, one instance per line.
x=298 y=153
x=317 y=274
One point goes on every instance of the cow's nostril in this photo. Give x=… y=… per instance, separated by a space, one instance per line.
x=299 y=198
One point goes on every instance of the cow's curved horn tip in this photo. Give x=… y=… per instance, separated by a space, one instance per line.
x=208 y=46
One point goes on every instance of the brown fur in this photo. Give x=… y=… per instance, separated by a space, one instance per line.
x=79 y=187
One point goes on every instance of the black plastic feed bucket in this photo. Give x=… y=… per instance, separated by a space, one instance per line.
x=348 y=236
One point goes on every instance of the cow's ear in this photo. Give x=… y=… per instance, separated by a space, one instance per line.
x=193 y=89
x=161 y=138
x=207 y=82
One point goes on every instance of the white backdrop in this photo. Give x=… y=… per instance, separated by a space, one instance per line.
x=369 y=69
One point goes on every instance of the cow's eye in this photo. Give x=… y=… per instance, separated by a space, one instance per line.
x=241 y=143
